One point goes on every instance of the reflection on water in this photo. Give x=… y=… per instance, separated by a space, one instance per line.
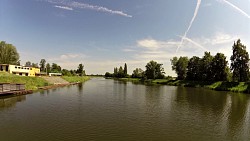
x=8 y=102
x=118 y=110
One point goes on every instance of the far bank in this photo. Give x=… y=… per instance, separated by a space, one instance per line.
x=239 y=87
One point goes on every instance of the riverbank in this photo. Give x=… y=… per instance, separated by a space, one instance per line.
x=35 y=83
x=239 y=87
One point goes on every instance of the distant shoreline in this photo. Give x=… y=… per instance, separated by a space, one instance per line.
x=237 y=87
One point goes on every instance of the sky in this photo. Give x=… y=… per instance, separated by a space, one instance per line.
x=103 y=34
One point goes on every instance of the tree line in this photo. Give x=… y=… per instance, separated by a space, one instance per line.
x=214 y=68
x=153 y=70
x=9 y=55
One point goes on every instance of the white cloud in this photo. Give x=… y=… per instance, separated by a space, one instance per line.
x=128 y=50
x=63 y=7
x=222 y=38
x=70 y=57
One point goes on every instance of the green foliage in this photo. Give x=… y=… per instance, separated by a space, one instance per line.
x=205 y=67
x=8 y=54
x=42 y=65
x=208 y=68
x=28 y=64
x=219 y=68
x=80 y=71
x=107 y=74
x=115 y=72
x=239 y=62
x=125 y=70
x=120 y=72
x=193 y=69
x=154 y=70
x=138 y=73
x=35 y=65
x=66 y=72
x=48 y=68
x=180 y=66
x=55 y=68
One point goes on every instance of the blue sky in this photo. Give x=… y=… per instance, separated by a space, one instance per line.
x=103 y=34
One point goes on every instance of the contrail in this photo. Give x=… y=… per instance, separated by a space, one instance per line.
x=195 y=43
x=190 y=24
x=235 y=7
x=98 y=8
x=69 y=5
x=64 y=7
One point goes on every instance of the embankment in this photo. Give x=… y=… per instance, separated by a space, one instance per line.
x=240 y=87
x=35 y=83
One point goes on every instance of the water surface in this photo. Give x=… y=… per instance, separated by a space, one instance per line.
x=109 y=110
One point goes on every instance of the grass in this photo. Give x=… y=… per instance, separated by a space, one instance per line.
x=241 y=87
x=75 y=79
x=31 y=83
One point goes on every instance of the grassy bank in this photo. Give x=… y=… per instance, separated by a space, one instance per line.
x=31 y=83
x=75 y=79
x=241 y=87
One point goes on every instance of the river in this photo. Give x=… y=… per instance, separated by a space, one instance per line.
x=110 y=110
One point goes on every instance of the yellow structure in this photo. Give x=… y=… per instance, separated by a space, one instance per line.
x=20 y=70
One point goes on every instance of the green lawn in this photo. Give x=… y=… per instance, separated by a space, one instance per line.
x=31 y=83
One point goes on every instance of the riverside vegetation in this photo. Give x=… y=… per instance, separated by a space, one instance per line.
x=9 y=55
x=33 y=83
x=209 y=71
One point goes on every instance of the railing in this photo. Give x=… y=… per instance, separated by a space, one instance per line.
x=9 y=87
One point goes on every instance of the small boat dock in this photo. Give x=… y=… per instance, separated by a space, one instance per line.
x=13 y=89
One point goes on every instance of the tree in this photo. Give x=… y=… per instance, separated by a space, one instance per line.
x=219 y=68
x=180 y=66
x=115 y=72
x=107 y=74
x=28 y=64
x=206 y=67
x=137 y=73
x=125 y=70
x=193 y=69
x=239 y=62
x=35 y=65
x=48 y=69
x=154 y=70
x=8 y=54
x=120 y=72
x=55 y=68
x=42 y=65
x=66 y=72
x=80 y=70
